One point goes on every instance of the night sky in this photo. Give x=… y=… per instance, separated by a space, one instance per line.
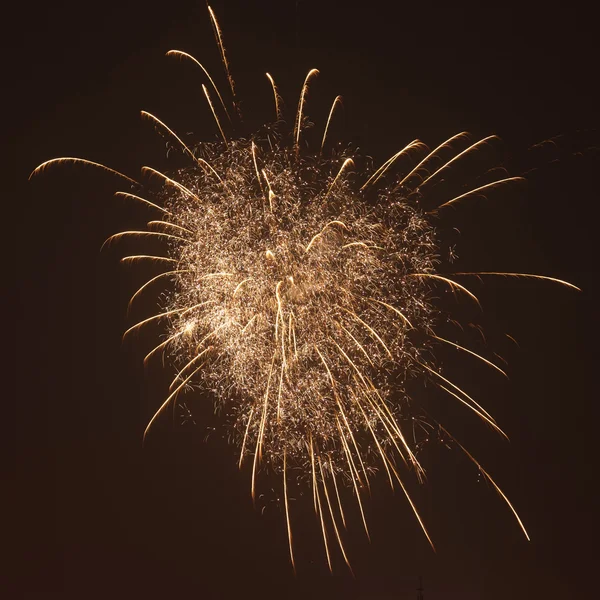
x=97 y=516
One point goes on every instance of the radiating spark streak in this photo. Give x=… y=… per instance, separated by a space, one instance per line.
x=313 y=472
x=479 y=190
x=358 y=344
x=487 y=362
x=166 y=402
x=258 y=178
x=189 y=364
x=212 y=108
x=477 y=412
x=279 y=391
x=345 y=164
x=323 y=529
x=167 y=225
x=353 y=470
x=248 y=324
x=159 y=316
x=371 y=330
x=219 y=39
x=287 y=511
x=450 y=282
x=272 y=196
x=414 y=508
x=258 y=450
x=363 y=245
x=463 y=393
x=169 y=130
x=383 y=455
x=353 y=439
x=276 y=96
x=400 y=314
x=338 y=100
x=160 y=276
x=320 y=234
x=143 y=200
x=159 y=234
x=245 y=437
x=333 y=519
x=496 y=487
x=415 y=144
x=190 y=57
x=239 y=286
x=298 y=126
x=460 y=155
x=542 y=277
x=432 y=154
x=171 y=182
x=162 y=345
x=337 y=493
x=83 y=161
x=147 y=256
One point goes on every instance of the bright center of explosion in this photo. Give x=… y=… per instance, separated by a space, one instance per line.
x=296 y=302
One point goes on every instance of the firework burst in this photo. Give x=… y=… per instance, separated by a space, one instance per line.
x=302 y=297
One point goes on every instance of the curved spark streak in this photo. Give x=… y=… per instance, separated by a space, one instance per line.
x=143 y=201
x=338 y=100
x=459 y=156
x=276 y=97
x=524 y=275
x=479 y=190
x=156 y=120
x=83 y=161
x=190 y=57
x=415 y=144
x=431 y=155
x=298 y=127
x=171 y=182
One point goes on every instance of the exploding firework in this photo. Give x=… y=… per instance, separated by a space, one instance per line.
x=303 y=300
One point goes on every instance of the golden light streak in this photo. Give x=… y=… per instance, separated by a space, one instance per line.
x=432 y=154
x=345 y=164
x=460 y=155
x=480 y=189
x=496 y=487
x=298 y=126
x=414 y=508
x=333 y=519
x=338 y=100
x=525 y=275
x=320 y=234
x=136 y=257
x=159 y=234
x=171 y=182
x=166 y=402
x=219 y=39
x=245 y=438
x=167 y=225
x=485 y=360
x=415 y=144
x=453 y=385
x=287 y=512
x=160 y=276
x=82 y=161
x=162 y=345
x=212 y=108
x=143 y=200
x=190 y=57
x=156 y=120
x=276 y=96
x=371 y=330
x=450 y=282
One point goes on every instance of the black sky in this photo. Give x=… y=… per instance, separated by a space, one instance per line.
x=98 y=517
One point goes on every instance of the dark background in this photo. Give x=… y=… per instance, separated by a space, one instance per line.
x=98 y=517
